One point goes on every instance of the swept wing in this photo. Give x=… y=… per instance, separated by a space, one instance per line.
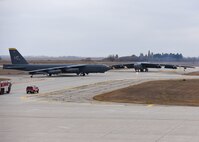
x=55 y=70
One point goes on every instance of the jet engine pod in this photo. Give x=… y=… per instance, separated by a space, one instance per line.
x=72 y=70
x=170 y=67
x=54 y=71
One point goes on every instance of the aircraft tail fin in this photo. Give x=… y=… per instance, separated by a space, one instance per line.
x=16 y=57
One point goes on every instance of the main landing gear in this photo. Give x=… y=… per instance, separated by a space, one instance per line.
x=142 y=70
x=82 y=74
x=47 y=75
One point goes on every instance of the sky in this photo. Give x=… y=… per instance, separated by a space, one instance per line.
x=98 y=28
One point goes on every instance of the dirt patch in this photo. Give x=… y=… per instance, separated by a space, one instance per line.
x=193 y=73
x=3 y=79
x=11 y=72
x=168 y=92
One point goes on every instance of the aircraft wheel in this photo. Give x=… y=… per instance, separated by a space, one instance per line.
x=82 y=74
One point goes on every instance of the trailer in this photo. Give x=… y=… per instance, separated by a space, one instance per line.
x=5 y=87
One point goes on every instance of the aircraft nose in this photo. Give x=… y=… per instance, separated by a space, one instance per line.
x=107 y=68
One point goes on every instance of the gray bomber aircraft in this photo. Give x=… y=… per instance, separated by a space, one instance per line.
x=19 y=63
x=144 y=67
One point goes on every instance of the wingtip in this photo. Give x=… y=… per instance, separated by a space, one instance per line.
x=12 y=49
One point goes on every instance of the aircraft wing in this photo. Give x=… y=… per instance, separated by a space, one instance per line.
x=150 y=65
x=56 y=69
x=134 y=65
x=171 y=66
x=185 y=66
x=166 y=66
x=121 y=66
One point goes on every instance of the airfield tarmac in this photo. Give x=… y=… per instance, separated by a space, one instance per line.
x=66 y=111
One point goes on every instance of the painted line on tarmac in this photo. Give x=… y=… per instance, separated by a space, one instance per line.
x=23 y=97
x=150 y=105
x=33 y=80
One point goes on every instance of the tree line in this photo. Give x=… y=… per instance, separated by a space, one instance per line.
x=150 y=57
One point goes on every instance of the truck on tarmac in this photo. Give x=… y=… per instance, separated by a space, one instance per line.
x=5 y=87
x=32 y=89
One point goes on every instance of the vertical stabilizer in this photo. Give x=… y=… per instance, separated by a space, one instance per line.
x=16 y=57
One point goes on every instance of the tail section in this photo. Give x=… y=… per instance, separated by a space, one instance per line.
x=16 y=57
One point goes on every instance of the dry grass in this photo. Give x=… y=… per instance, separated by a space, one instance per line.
x=3 y=79
x=169 y=92
x=193 y=73
x=11 y=72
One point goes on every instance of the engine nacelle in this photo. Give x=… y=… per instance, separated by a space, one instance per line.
x=170 y=67
x=121 y=66
x=72 y=70
x=140 y=68
x=54 y=71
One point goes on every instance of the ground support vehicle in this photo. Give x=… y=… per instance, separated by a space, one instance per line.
x=32 y=89
x=5 y=87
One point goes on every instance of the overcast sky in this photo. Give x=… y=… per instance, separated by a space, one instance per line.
x=99 y=27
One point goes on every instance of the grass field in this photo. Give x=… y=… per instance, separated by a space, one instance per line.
x=3 y=79
x=168 y=92
x=193 y=73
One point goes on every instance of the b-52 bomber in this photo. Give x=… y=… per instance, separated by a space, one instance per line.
x=19 y=63
x=144 y=67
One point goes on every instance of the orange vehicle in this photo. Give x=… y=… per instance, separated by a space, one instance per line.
x=32 y=89
x=5 y=87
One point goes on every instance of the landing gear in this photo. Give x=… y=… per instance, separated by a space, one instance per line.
x=82 y=74
x=142 y=70
x=49 y=74
x=31 y=76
